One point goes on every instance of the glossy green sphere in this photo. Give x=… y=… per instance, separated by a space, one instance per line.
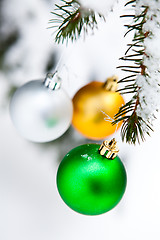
x=90 y=183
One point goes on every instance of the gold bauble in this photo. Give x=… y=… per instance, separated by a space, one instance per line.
x=95 y=105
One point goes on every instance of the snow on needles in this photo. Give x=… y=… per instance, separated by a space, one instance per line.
x=101 y=6
x=149 y=85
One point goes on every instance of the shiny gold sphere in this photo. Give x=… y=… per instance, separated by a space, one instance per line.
x=94 y=110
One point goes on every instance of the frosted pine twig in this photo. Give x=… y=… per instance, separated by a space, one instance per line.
x=70 y=19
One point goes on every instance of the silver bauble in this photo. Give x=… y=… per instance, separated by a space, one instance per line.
x=41 y=111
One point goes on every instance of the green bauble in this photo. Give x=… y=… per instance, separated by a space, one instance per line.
x=90 y=183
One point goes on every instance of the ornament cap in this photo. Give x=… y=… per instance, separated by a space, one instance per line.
x=111 y=84
x=109 y=149
x=52 y=81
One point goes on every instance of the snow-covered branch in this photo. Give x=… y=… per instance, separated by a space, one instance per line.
x=149 y=82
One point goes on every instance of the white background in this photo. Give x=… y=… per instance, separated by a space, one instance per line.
x=30 y=206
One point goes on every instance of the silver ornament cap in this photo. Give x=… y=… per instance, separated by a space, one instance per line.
x=52 y=81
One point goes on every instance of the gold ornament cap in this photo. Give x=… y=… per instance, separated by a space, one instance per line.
x=109 y=149
x=111 y=84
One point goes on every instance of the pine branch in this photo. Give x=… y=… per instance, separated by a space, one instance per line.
x=134 y=127
x=70 y=18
